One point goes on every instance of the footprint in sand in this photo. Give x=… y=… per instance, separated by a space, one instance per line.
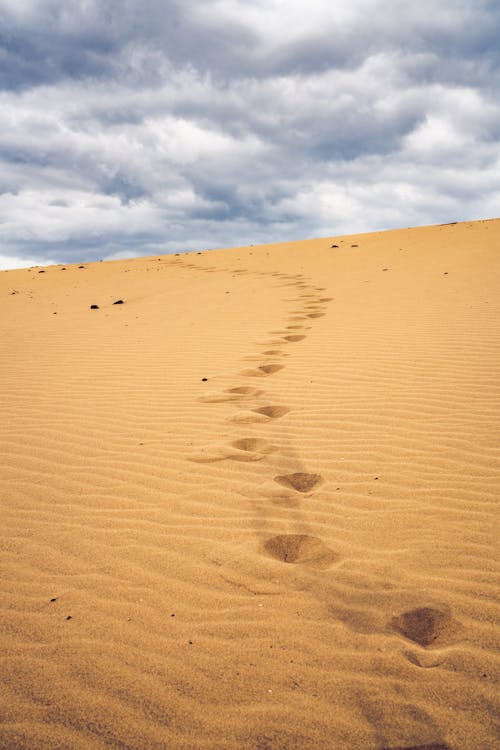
x=263 y=414
x=433 y=746
x=231 y=394
x=262 y=371
x=294 y=337
x=273 y=412
x=300 y=481
x=243 y=449
x=427 y=626
x=316 y=315
x=300 y=549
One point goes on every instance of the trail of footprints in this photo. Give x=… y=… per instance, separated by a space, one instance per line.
x=287 y=548
x=424 y=626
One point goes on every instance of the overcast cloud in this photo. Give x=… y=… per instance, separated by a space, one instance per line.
x=134 y=127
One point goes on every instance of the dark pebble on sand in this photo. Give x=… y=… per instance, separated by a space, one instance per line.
x=333 y=245
x=94 y=307
x=118 y=302
x=204 y=379
x=41 y=271
x=69 y=617
x=54 y=599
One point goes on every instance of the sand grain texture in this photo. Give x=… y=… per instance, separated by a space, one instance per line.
x=253 y=505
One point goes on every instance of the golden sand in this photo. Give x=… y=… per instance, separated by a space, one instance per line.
x=253 y=506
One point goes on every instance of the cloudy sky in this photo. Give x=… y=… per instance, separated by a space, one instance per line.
x=134 y=127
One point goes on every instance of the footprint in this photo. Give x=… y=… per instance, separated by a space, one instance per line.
x=433 y=746
x=294 y=328
x=325 y=299
x=252 y=449
x=302 y=549
x=231 y=394
x=244 y=449
x=272 y=353
x=316 y=315
x=245 y=390
x=427 y=626
x=262 y=371
x=274 y=412
x=299 y=481
x=294 y=337
x=245 y=416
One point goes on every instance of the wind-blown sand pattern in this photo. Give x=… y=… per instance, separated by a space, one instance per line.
x=253 y=506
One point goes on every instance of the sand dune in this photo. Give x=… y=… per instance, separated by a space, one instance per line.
x=253 y=506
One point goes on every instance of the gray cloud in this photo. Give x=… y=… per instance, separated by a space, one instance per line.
x=133 y=128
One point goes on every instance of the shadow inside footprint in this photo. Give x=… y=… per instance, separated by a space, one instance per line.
x=274 y=412
x=299 y=481
x=244 y=390
x=316 y=315
x=262 y=371
x=253 y=445
x=426 y=626
x=300 y=548
x=294 y=337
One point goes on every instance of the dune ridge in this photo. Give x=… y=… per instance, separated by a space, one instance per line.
x=254 y=505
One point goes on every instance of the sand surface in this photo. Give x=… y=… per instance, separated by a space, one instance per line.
x=253 y=506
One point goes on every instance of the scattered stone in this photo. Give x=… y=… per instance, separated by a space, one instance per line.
x=118 y=302
x=81 y=266
x=69 y=617
x=54 y=599
x=41 y=271
x=94 y=307
x=354 y=245
x=63 y=269
x=333 y=245
x=204 y=380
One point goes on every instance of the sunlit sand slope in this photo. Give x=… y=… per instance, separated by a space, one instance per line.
x=253 y=506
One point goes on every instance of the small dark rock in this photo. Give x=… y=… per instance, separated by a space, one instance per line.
x=445 y=273
x=354 y=245
x=69 y=617
x=54 y=599
x=81 y=266
x=118 y=302
x=333 y=245
x=94 y=307
x=41 y=271
x=204 y=379
x=63 y=269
